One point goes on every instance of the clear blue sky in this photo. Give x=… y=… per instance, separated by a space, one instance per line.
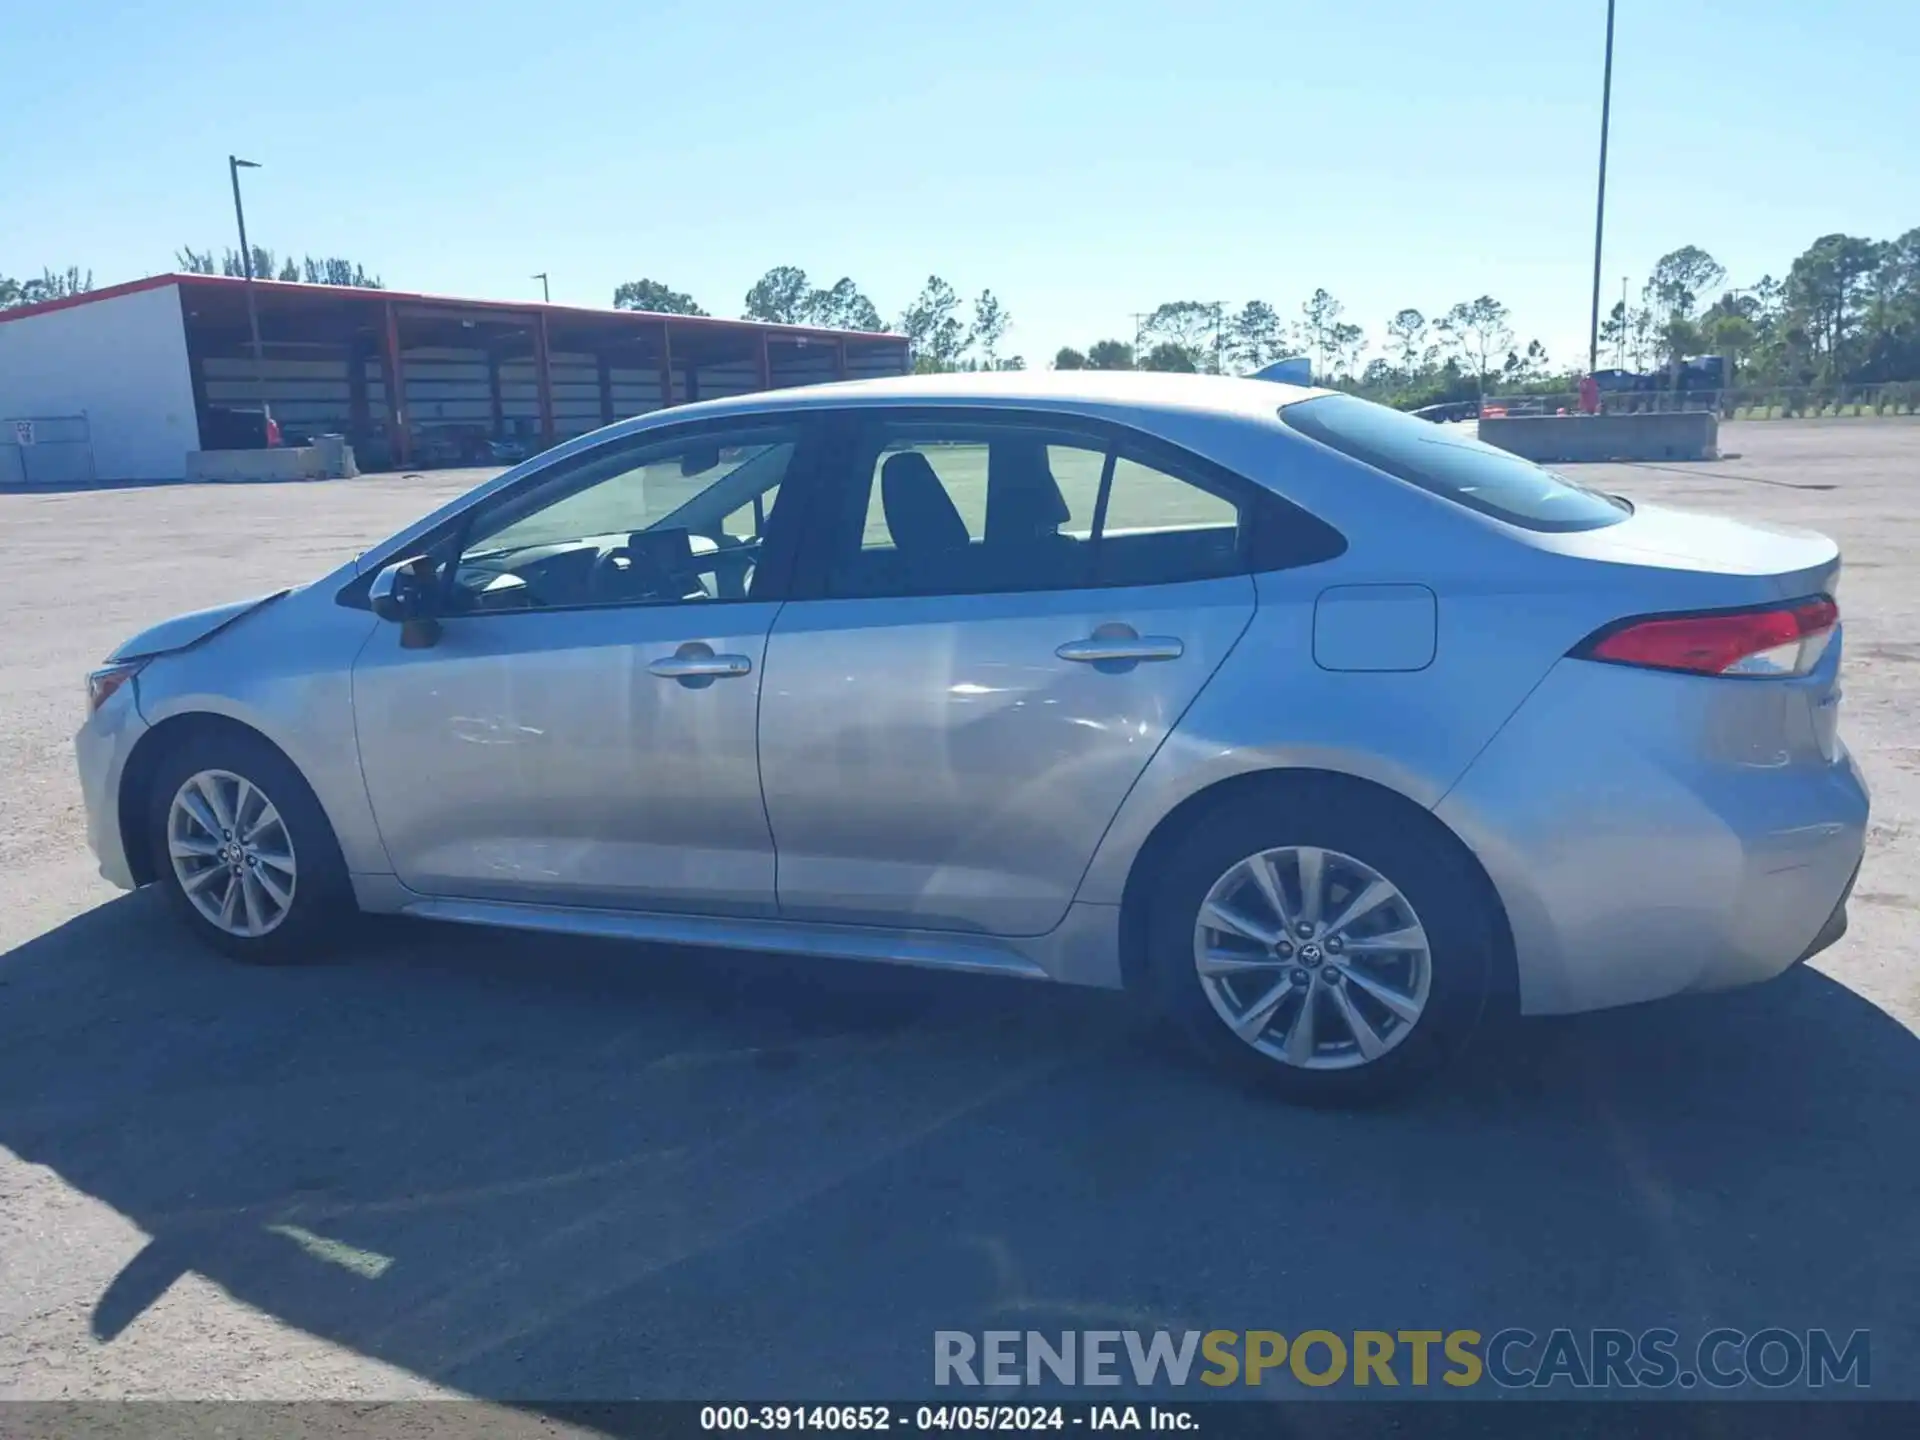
x=1084 y=160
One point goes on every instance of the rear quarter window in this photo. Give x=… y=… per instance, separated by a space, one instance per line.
x=1455 y=466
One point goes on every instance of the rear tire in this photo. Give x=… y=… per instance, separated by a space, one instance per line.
x=243 y=850
x=1389 y=991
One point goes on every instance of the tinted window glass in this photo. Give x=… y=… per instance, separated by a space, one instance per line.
x=968 y=508
x=1448 y=463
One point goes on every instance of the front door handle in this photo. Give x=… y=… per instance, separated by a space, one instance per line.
x=696 y=662
x=1121 y=644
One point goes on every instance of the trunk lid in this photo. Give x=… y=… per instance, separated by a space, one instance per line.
x=1709 y=561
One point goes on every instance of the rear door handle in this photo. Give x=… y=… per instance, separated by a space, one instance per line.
x=1099 y=648
x=698 y=662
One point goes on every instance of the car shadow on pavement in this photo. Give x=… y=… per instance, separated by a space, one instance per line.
x=539 y=1170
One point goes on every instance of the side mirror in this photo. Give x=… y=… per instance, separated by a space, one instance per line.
x=403 y=593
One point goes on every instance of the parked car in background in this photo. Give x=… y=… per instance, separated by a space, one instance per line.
x=1450 y=412
x=1326 y=731
x=239 y=427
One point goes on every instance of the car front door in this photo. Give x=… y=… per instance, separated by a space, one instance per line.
x=997 y=621
x=581 y=730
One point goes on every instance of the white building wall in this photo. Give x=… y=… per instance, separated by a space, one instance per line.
x=122 y=362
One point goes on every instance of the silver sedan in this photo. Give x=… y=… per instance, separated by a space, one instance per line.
x=1330 y=731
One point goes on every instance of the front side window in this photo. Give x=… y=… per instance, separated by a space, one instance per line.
x=1457 y=467
x=971 y=507
x=666 y=522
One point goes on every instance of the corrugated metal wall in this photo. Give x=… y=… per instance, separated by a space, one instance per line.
x=309 y=395
x=448 y=387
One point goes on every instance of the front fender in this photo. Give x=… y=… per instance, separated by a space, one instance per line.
x=289 y=675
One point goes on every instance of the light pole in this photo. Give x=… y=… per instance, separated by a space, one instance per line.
x=234 y=166
x=545 y=297
x=1600 y=205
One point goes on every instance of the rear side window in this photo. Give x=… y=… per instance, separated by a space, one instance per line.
x=962 y=506
x=1440 y=459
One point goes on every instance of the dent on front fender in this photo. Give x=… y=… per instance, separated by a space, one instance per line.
x=193 y=628
x=288 y=674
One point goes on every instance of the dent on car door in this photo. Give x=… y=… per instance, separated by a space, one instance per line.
x=1002 y=622
x=583 y=731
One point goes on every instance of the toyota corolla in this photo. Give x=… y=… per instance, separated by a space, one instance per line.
x=1328 y=731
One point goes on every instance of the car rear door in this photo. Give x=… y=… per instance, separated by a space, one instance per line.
x=997 y=620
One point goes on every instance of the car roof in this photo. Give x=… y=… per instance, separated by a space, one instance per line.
x=1091 y=391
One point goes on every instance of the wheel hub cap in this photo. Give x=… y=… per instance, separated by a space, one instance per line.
x=1312 y=957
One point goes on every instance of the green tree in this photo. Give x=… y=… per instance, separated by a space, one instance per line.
x=1190 y=326
x=1255 y=336
x=1680 y=278
x=932 y=327
x=779 y=297
x=50 y=284
x=785 y=296
x=1110 y=355
x=1613 y=333
x=1477 y=331
x=990 y=324
x=654 y=298
x=1319 y=314
x=1824 y=293
x=1169 y=355
x=1344 y=343
x=312 y=270
x=841 y=306
x=1407 y=340
x=1068 y=358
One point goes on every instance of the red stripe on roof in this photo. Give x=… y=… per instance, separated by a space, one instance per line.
x=292 y=288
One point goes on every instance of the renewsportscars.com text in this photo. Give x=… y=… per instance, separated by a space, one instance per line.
x=1512 y=1358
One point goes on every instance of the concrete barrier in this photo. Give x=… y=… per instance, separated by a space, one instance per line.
x=330 y=459
x=1680 y=435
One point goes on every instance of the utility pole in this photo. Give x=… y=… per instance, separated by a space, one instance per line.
x=542 y=278
x=234 y=166
x=1600 y=204
x=1140 y=318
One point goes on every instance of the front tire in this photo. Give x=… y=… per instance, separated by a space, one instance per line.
x=243 y=849
x=1323 y=942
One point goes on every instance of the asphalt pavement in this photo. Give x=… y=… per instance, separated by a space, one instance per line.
x=454 y=1162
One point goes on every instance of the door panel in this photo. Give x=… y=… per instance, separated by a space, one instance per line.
x=933 y=761
x=537 y=756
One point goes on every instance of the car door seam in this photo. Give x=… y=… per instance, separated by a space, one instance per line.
x=1253 y=612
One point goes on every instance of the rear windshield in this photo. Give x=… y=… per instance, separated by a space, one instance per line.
x=1446 y=461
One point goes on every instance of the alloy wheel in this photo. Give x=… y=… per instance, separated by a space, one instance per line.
x=231 y=853
x=1312 y=957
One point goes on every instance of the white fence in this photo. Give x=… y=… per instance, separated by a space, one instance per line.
x=45 y=450
x=1744 y=402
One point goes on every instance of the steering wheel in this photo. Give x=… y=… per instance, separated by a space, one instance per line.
x=619 y=574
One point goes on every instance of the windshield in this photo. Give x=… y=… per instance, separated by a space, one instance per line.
x=1446 y=461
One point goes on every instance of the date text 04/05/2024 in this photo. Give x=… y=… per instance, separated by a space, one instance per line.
x=939 y=1418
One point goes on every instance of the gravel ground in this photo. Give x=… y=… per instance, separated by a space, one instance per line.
x=458 y=1163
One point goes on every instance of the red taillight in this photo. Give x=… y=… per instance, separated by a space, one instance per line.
x=273 y=432
x=1783 y=640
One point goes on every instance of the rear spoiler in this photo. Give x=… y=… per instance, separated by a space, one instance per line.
x=1295 y=371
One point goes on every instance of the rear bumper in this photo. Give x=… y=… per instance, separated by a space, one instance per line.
x=1641 y=851
x=1836 y=925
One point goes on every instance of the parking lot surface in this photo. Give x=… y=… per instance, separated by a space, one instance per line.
x=457 y=1162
